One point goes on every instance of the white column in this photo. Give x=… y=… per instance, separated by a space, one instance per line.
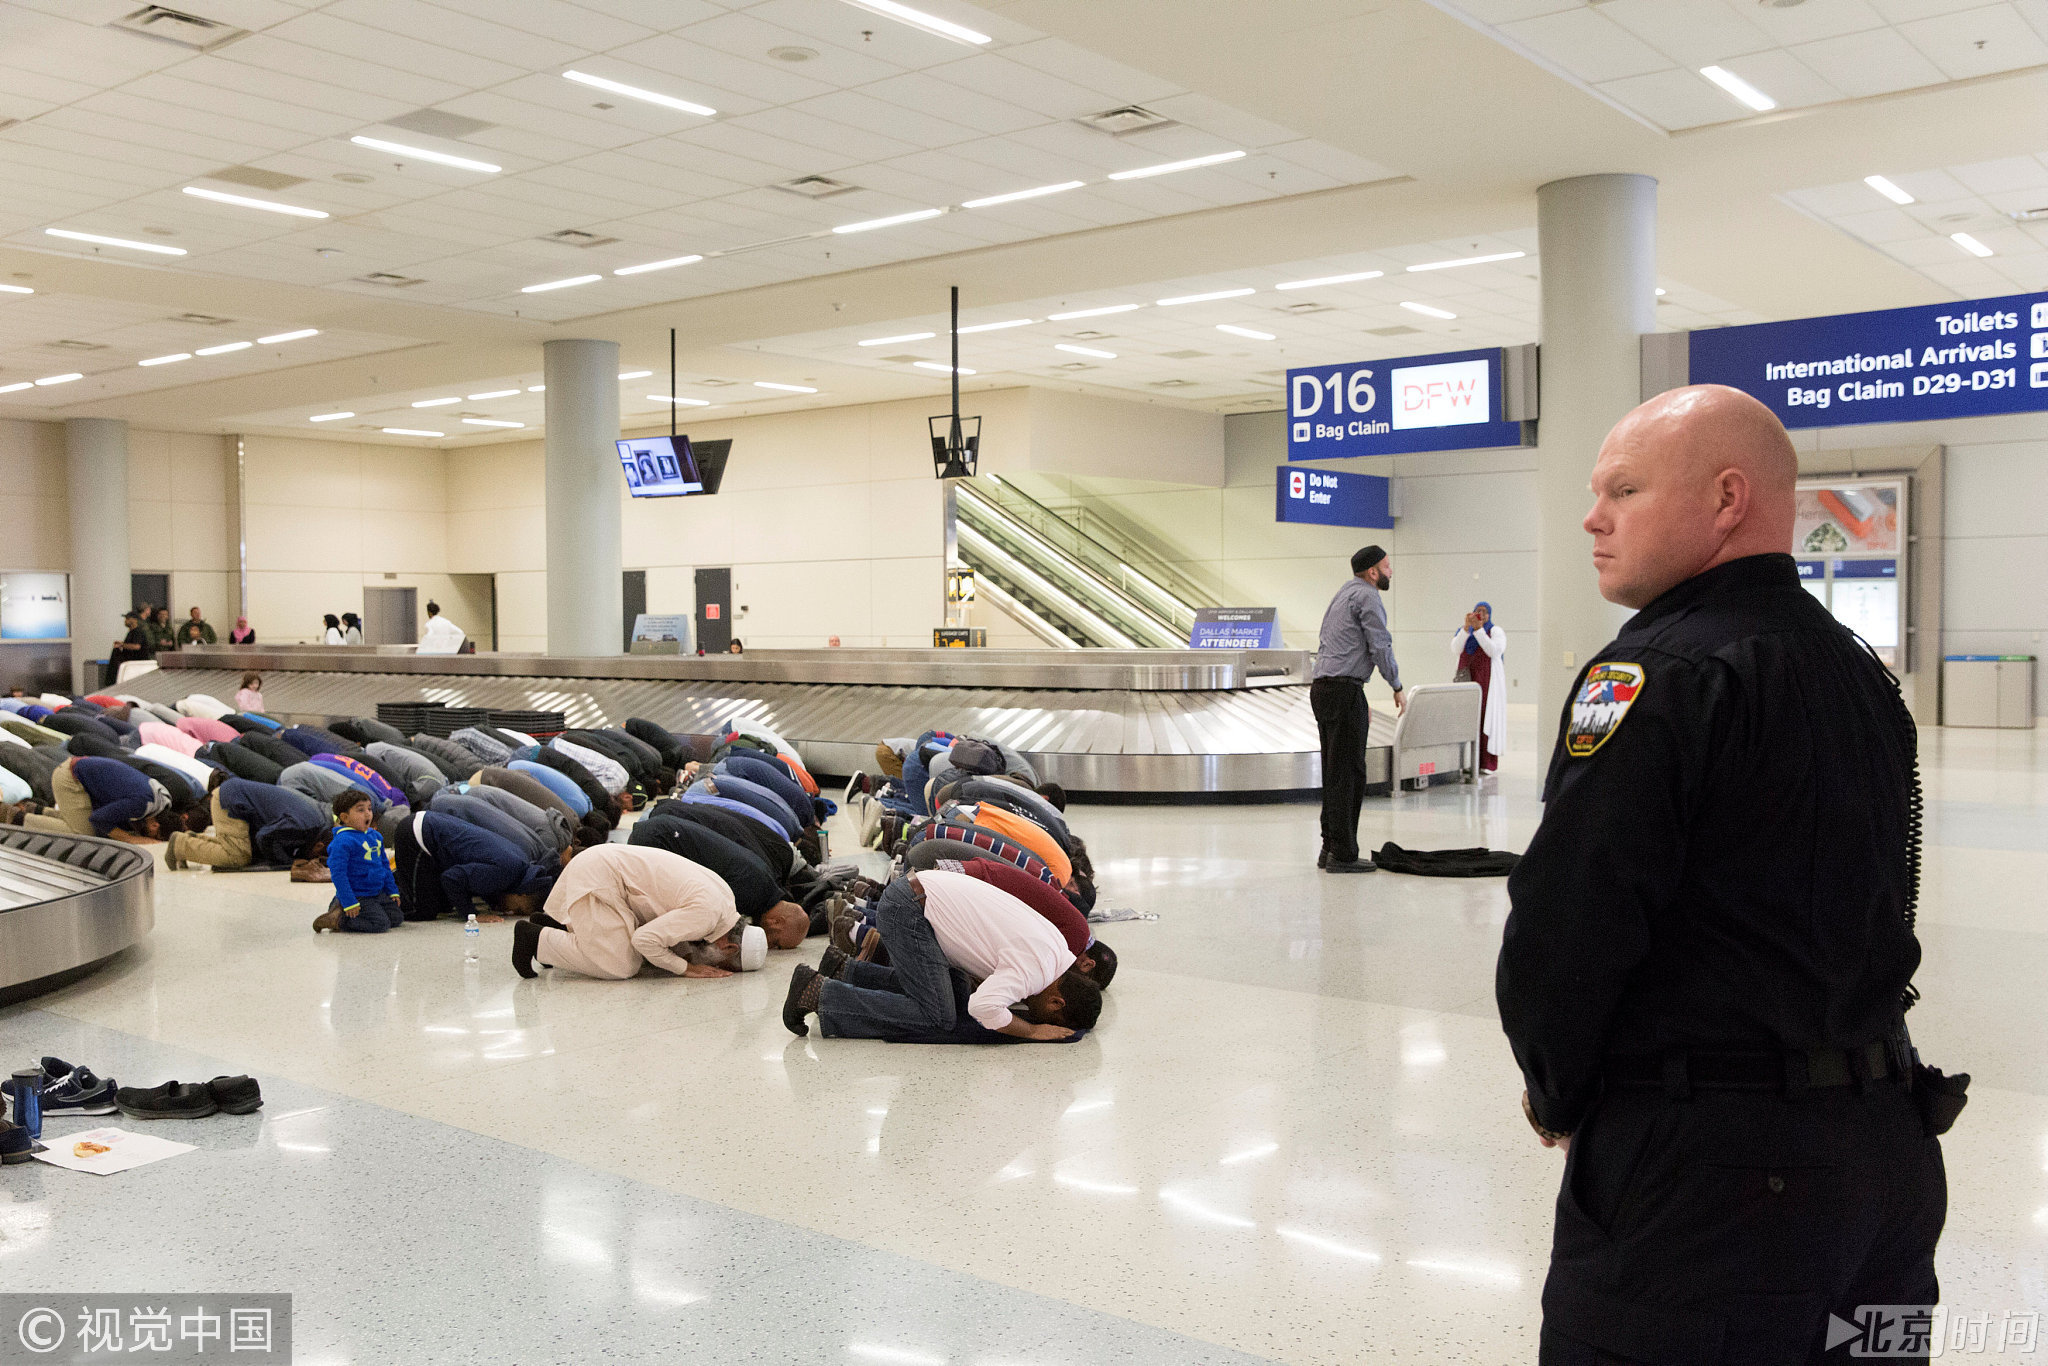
x=1597 y=242
x=96 y=474
x=585 y=593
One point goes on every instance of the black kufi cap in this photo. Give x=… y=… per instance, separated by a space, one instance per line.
x=1366 y=559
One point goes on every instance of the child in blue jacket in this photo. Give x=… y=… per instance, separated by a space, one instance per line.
x=365 y=892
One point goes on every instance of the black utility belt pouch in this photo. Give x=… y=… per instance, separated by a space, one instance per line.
x=1940 y=1098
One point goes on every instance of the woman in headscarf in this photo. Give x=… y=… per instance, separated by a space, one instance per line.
x=1481 y=645
x=243 y=634
x=334 y=635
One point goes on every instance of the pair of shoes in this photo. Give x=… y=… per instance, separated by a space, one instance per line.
x=310 y=870
x=329 y=919
x=1355 y=865
x=525 y=943
x=843 y=926
x=870 y=945
x=833 y=963
x=15 y=1144
x=65 y=1090
x=805 y=984
x=191 y=1100
x=859 y=782
x=171 y=859
x=864 y=889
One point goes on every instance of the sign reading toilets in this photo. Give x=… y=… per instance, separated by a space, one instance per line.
x=1331 y=498
x=1446 y=402
x=1893 y=365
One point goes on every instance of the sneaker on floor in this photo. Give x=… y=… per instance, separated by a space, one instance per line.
x=171 y=859
x=803 y=983
x=1355 y=865
x=833 y=963
x=172 y=1100
x=236 y=1095
x=857 y=783
x=80 y=1093
x=15 y=1144
x=525 y=943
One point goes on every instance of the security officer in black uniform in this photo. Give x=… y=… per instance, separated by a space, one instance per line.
x=1709 y=952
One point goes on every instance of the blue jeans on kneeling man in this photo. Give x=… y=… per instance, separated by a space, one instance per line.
x=918 y=998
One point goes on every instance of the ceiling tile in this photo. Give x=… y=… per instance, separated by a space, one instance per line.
x=1673 y=99
x=450 y=28
x=1692 y=33
x=576 y=25
x=1116 y=83
x=1588 y=45
x=1874 y=62
x=1042 y=92
x=411 y=91
x=1978 y=42
x=1784 y=78
x=1807 y=23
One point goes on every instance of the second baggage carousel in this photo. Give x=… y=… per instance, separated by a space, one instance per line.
x=1109 y=725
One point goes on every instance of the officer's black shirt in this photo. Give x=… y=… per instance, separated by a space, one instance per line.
x=1727 y=869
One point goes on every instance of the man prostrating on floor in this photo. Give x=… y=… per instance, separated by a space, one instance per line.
x=958 y=947
x=617 y=906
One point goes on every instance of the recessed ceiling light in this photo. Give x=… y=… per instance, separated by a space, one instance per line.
x=1092 y=312
x=15 y=289
x=658 y=265
x=634 y=374
x=114 y=241
x=997 y=327
x=1887 y=189
x=223 y=348
x=166 y=360
x=918 y=19
x=329 y=417
x=1660 y=293
x=891 y=341
x=1742 y=90
x=409 y=431
x=1469 y=261
x=278 y=337
x=941 y=367
x=442 y=158
x=634 y=92
x=871 y=224
x=60 y=379
x=1961 y=239
x=1244 y=332
x=267 y=205
x=536 y=388
x=679 y=402
x=560 y=284
x=489 y=422
x=436 y=402
x=1084 y=351
x=991 y=201
x=1429 y=311
x=1321 y=280
x=786 y=388
x=1169 y=167
x=492 y=393
x=12 y=388
x=1205 y=298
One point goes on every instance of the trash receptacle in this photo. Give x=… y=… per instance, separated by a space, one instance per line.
x=1988 y=690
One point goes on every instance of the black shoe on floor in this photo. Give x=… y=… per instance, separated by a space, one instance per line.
x=525 y=943
x=833 y=964
x=548 y=922
x=1323 y=859
x=236 y=1095
x=1355 y=865
x=804 y=982
x=172 y=1100
x=15 y=1144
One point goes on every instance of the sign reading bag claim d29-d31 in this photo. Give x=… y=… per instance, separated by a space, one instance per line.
x=1450 y=401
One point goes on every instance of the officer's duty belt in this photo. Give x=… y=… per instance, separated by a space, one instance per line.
x=1679 y=1074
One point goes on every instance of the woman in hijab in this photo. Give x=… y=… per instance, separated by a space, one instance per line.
x=334 y=635
x=351 y=629
x=1481 y=646
x=243 y=634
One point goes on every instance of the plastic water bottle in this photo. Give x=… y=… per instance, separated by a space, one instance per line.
x=472 y=936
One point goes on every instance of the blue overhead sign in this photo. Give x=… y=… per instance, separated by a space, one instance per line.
x=1446 y=402
x=1331 y=498
x=1895 y=365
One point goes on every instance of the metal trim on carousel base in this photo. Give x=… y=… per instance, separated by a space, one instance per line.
x=67 y=904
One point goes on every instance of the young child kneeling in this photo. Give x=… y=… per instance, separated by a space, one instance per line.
x=365 y=892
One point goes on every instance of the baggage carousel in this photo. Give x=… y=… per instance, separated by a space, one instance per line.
x=67 y=903
x=1108 y=725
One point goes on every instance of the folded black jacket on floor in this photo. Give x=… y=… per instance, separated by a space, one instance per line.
x=1393 y=858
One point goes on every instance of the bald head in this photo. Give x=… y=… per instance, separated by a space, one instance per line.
x=1692 y=479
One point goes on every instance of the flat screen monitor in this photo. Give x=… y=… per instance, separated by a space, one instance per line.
x=660 y=467
x=711 y=462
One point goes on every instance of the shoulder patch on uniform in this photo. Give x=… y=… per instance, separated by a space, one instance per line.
x=1599 y=705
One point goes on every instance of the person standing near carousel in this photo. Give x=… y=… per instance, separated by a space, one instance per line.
x=1481 y=647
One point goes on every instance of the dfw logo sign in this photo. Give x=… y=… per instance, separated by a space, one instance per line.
x=1330 y=498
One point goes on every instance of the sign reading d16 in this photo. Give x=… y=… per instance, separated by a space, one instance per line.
x=1446 y=402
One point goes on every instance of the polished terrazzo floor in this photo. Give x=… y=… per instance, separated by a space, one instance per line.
x=1294 y=1138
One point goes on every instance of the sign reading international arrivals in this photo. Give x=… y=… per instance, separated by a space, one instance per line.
x=1895 y=365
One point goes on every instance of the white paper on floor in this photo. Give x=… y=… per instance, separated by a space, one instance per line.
x=106 y=1151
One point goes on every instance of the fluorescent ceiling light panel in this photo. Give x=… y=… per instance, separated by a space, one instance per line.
x=59 y=379
x=1084 y=351
x=1205 y=298
x=329 y=417
x=424 y=154
x=436 y=402
x=492 y=393
x=1169 y=167
x=267 y=205
x=1253 y=333
x=634 y=92
x=11 y=388
x=997 y=327
x=1468 y=261
x=679 y=402
x=918 y=19
x=871 y=224
x=166 y=360
x=536 y=388
x=15 y=289
x=276 y=338
x=1742 y=90
x=561 y=284
x=1322 y=280
x=1105 y=310
x=1430 y=311
x=1887 y=189
x=410 y=431
x=1970 y=244
x=787 y=388
x=634 y=374
x=941 y=367
x=157 y=247
x=669 y=264
x=891 y=341
x=223 y=348
x=489 y=422
x=992 y=200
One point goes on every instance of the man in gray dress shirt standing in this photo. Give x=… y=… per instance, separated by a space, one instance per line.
x=1354 y=642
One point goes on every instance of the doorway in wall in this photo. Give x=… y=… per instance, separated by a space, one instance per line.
x=714 y=610
x=389 y=616
x=154 y=589
x=635 y=596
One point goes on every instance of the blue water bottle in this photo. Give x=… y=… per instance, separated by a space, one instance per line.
x=28 y=1100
